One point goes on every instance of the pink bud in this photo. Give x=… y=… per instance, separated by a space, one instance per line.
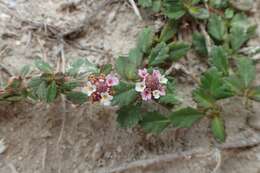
x=146 y=95
x=111 y=80
x=142 y=73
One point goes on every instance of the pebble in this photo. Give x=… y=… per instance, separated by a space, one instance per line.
x=254 y=122
x=244 y=5
x=97 y=152
x=119 y=149
x=3 y=146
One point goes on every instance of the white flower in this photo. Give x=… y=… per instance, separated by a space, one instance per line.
x=140 y=86
x=106 y=99
x=156 y=94
x=163 y=79
x=89 y=88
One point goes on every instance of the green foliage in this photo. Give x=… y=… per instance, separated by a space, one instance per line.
x=129 y=116
x=218 y=128
x=178 y=50
x=185 y=118
x=199 y=44
x=154 y=122
x=76 y=97
x=219 y=59
x=159 y=54
x=125 y=94
x=43 y=66
x=81 y=66
x=216 y=27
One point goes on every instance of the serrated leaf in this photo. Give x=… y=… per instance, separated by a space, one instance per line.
x=154 y=122
x=35 y=82
x=185 y=118
x=42 y=91
x=125 y=68
x=145 y=3
x=43 y=66
x=52 y=92
x=218 y=129
x=159 y=54
x=81 y=66
x=234 y=84
x=178 y=50
x=25 y=70
x=255 y=94
x=218 y=3
x=238 y=36
x=169 y=99
x=106 y=69
x=216 y=27
x=168 y=31
x=125 y=94
x=129 y=116
x=219 y=59
x=76 y=97
x=199 y=13
x=135 y=56
x=145 y=40
x=203 y=99
x=156 y=5
x=70 y=85
x=246 y=71
x=173 y=9
x=199 y=44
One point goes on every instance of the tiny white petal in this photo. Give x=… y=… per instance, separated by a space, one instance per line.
x=89 y=89
x=156 y=94
x=163 y=80
x=106 y=99
x=140 y=86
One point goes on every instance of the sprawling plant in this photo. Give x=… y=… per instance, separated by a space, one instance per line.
x=142 y=85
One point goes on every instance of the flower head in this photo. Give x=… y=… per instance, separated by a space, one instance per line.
x=151 y=85
x=106 y=99
x=100 y=88
x=143 y=73
x=111 y=80
x=89 y=88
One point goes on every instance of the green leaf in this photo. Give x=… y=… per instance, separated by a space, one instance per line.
x=255 y=94
x=156 y=5
x=203 y=99
x=178 y=50
x=246 y=71
x=81 y=66
x=106 y=69
x=135 y=56
x=199 y=44
x=25 y=70
x=126 y=69
x=216 y=27
x=171 y=95
x=129 y=116
x=76 y=97
x=35 y=82
x=159 y=54
x=43 y=66
x=199 y=13
x=52 y=92
x=219 y=59
x=185 y=118
x=168 y=31
x=42 y=91
x=70 y=85
x=145 y=40
x=153 y=122
x=173 y=9
x=238 y=36
x=218 y=129
x=229 y=13
x=145 y=3
x=218 y=3
x=125 y=94
x=234 y=84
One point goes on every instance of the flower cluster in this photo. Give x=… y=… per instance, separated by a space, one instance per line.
x=99 y=88
x=152 y=85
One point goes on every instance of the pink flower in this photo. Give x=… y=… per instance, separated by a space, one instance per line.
x=162 y=90
x=156 y=74
x=146 y=95
x=143 y=73
x=111 y=80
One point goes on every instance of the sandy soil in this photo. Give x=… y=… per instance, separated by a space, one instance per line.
x=91 y=141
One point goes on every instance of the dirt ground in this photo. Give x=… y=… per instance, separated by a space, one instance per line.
x=52 y=139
